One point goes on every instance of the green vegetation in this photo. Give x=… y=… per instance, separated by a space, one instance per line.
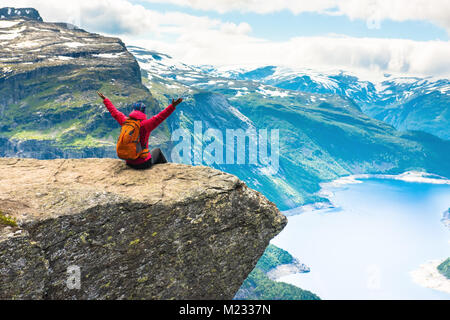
x=135 y=242
x=273 y=257
x=259 y=286
x=444 y=268
x=429 y=112
x=323 y=141
x=319 y=141
x=58 y=104
x=78 y=120
x=7 y=221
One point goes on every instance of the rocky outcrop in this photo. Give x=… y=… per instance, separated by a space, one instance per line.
x=34 y=53
x=23 y=13
x=49 y=75
x=170 y=232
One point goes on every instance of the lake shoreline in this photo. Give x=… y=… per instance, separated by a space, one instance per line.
x=326 y=193
x=326 y=188
x=428 y=276
x=330 y=203
x=407 y=176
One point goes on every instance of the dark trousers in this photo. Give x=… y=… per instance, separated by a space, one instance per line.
x=157 y=157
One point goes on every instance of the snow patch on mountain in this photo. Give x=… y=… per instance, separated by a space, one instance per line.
x=272 y=92
x=8 y=24
x=380 y=95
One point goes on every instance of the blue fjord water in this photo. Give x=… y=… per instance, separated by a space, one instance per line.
x=365 y=248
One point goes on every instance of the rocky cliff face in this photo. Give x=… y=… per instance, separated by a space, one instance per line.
x=23 y=13
x=173 y=231
x=46 y=149
x=35 y=52
x=49 y=75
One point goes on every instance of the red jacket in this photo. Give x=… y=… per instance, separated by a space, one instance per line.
x=147 y=125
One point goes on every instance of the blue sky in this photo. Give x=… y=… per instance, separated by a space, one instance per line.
x=280 y=26
x=371 y=37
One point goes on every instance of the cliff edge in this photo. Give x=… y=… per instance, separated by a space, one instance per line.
x=171 y=232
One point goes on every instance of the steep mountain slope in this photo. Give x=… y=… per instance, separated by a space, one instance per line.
x=322 y=136
x=262 y=284
x=407 y=103
x=414 y=104
x=49 y=74
x=210 y=110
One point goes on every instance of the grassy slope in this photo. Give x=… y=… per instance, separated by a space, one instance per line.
x=429 y=112
x=322 y=137
x=259 y=286
x=273 y=257
x=323 y=141
x=71 y=117
x=55 y=100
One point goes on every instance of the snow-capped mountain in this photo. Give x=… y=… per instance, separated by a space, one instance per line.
x=23 y=13
x=410 y=103
x=50 y=73
x=323 y=131
x=388 y=90
x=407 y=103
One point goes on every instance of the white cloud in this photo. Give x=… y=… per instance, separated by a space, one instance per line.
x=232 y=28
x=360 y=55
x=122 y=17
x=202 y=40
x=435 y=11
x=258 y=6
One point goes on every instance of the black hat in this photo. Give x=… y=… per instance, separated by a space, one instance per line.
x=139 y=106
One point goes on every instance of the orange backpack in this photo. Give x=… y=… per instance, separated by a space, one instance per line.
x=128 y=145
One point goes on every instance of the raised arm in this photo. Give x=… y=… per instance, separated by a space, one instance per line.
x=116 y=114
x=156 y=120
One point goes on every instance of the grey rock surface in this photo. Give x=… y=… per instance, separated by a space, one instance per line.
x=170 y=232
x=23 y=13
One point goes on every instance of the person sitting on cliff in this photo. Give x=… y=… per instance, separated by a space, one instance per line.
x=137 y=119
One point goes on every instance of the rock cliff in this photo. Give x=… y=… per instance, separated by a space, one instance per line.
x=49 y=75
x=171 y=232
x=22 y=13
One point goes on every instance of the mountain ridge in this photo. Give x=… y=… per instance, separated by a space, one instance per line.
x=386 y=99
x=309 y=151
x=22 y=13
x=49 y=75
